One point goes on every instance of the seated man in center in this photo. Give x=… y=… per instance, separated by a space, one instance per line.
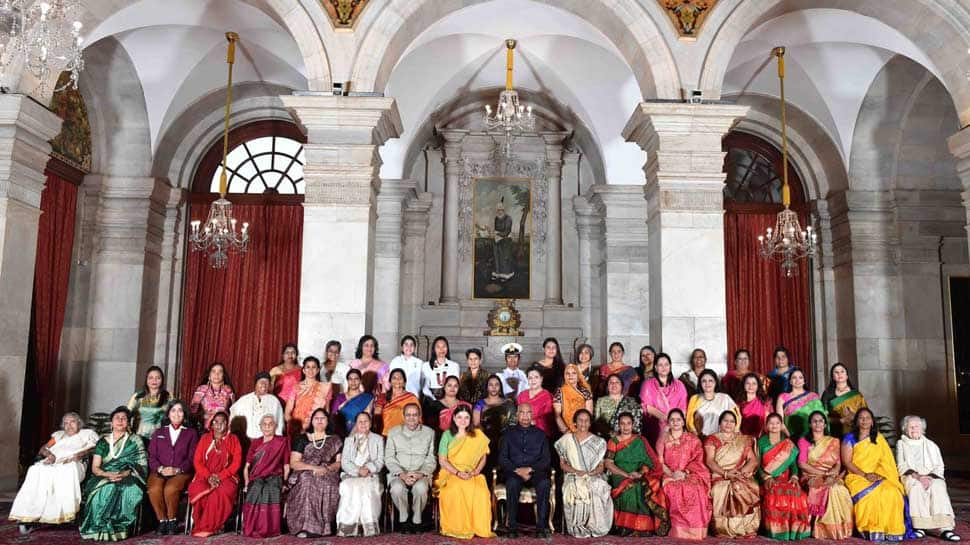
x=524 y=459
x=410 y=459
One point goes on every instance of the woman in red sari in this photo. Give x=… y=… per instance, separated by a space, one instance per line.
x=754 y=405
x=439 y=411
x=267 y=466
x=784 y=505
x=541 y=400
x=686 y=481
x=212 y=491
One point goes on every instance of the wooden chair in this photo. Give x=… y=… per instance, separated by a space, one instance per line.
x=528 y=495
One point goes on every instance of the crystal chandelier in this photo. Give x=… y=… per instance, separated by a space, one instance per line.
x=510 y=116
x=219 y=235
x=787 y=242
x=43 y=36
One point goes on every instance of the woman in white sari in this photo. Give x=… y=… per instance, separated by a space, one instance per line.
x=51 y=493
x=359 y=509
x=587 y=504
x=921 y=471
x=705 y=408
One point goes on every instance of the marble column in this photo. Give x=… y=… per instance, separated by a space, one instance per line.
x=387 y=259
x=685 y=181
x=126 y=268
x=589 y=228
x=553 y=173
x=959 y=145
x=416 y=221
x=171 y=270
x=339 y=213
x=25 y=129
x=449 y=248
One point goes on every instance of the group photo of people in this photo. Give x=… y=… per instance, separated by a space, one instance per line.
x=360 y=447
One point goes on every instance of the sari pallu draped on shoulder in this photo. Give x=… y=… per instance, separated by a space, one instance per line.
x=841 y=410
x=797 y=410
x=213 y=505
x=349 y=409
x=308 y=399
x=587 y=507
x=638 y=504
x=261 y=508
x=662 y=398
x=51 y=493
x=878 y=507
x=392 y=412
x=829 y=501
x=572 y=399
x=785 y=506
x=689 y=499
x=737 y=502
x=111 y=508
x=465 y=505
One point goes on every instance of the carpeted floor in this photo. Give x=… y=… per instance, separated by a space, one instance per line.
x=63 y=535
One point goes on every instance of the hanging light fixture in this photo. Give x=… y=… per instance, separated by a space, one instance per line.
x=219 y=235
x=510 y=117
x=786 y=243
x=43 y=36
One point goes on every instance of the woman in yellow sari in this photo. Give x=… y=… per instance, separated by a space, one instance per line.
x=463 y=495
x=573 y=395
x=829 y=501
x=873 y=481
x=389 y=407
x=732 y=460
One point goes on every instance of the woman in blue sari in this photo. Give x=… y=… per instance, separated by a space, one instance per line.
x=354 y=401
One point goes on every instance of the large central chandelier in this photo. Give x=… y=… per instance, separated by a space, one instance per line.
x=786 y=243
x=510 y=117
x=219 y=234
x=42 y=36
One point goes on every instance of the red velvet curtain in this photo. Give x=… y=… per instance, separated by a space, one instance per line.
x=52 y=270
x=243 y=314
x=764 y=308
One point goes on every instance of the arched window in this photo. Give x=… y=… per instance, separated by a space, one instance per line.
x=753 y=169
x=264 y=164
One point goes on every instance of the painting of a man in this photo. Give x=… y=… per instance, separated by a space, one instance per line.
x=503 y=225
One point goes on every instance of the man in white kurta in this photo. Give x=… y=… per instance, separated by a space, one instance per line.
x=245 y=414
x=920 y=467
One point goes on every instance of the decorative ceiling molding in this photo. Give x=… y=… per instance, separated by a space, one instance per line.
x=343 y=13
x=687 y=15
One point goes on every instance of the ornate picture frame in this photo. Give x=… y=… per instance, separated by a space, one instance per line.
x=502 y=234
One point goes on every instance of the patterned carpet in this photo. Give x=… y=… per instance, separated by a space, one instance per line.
x=62 y=535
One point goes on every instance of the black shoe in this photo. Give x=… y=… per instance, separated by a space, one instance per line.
x=405 y=527
x=165 y=528
x=543 y=534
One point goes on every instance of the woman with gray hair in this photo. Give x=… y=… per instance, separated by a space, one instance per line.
x=921 y=471
x=51 y=493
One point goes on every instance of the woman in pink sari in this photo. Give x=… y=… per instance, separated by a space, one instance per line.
x=287 y=375
x=754 y=405
x=267 y=466
x=658 y=396
x=439 y=411
x=541 y=402
x=374 y=372
x=686 y=481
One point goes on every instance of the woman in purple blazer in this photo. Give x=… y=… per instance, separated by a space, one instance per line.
x=170 y=455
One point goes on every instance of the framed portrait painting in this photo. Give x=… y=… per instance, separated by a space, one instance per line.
x=502 y=210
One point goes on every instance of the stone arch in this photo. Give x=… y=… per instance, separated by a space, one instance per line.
x=631 y=26
x=120 y=133
x=950 y=26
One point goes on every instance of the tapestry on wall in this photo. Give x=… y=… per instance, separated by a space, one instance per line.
x=502 y=210
x=73 y=144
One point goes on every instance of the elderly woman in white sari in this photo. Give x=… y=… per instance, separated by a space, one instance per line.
x=587 y=504
x=359 y=509
x=51 y=493
x=921 y=471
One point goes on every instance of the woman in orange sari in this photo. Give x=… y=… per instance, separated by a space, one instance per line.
x=389 y=407
x=733 y=462
x=829 y=501
x=785 y=506
x=573 y=395
x=310 y=395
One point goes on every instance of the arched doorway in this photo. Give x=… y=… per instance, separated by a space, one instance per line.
x=243 y=314
x=765 y=309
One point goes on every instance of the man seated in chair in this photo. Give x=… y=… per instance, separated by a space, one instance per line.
x=525 y=460
x=410 y=459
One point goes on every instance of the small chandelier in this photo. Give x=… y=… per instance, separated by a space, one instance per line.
x=45 y=36
x=219 y=234
x=787 y=242
x=510 y=116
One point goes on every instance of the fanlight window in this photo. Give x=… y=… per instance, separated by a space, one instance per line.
x=266 y=165
x=751 y=178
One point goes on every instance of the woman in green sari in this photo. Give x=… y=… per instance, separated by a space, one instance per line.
x=784 y=505
x=639 y=505
x=798 y=404
x=117 y=483
x=841 y=400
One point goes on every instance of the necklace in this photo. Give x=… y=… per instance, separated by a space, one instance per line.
x=314 y=442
